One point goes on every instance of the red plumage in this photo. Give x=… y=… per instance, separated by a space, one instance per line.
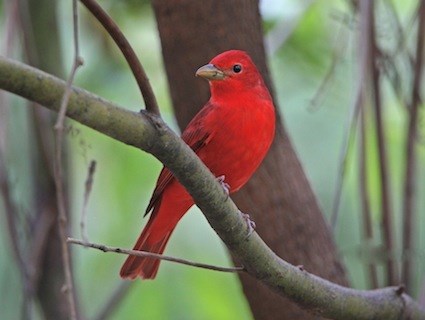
x=231 y=135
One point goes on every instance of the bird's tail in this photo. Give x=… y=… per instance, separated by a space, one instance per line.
x=144 y=267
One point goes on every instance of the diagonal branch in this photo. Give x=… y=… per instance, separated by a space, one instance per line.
x=149 y=133
x=128 y=52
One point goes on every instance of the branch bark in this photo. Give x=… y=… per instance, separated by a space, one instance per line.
x=149 y=133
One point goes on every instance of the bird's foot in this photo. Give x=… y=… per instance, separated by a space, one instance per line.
x=250 y=223
x=224 y=185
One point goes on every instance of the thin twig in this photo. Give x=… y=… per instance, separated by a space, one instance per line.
x=128 y=52
x=339 y=47
x=154 y=256
x=368 y=14
x=348 y=135
x=58 y=172
x=410 y=169
x=342 y=163
x=114 y=300
x=87 y=191
x=59 y=126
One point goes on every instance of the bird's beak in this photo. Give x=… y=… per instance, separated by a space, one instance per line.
x=210 y=72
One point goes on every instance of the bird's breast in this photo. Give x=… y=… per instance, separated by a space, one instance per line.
x=239 y=142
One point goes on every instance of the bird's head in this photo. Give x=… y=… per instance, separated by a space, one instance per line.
x=231 y=72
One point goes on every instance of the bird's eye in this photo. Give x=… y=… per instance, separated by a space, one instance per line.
x=237 y=68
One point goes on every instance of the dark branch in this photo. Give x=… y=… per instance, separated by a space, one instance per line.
x=128 y=52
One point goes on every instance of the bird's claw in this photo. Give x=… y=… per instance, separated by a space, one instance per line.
x=224 y=185
x=250 y=223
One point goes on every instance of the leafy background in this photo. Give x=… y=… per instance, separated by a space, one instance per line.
x=323 y=33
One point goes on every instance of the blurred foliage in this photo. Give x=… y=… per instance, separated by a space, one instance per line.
x=125 y=177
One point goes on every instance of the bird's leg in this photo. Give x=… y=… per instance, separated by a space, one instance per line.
x=250 y=223
x=224 y=185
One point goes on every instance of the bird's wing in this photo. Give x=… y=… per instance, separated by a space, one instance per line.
x=196 y=137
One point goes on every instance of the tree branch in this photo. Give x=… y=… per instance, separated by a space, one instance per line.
x=128 y=53
x=139 y=253
x=149 y=133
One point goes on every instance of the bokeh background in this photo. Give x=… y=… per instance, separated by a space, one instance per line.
x=308 y=42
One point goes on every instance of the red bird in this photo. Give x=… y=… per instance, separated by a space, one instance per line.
x=231 y=135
